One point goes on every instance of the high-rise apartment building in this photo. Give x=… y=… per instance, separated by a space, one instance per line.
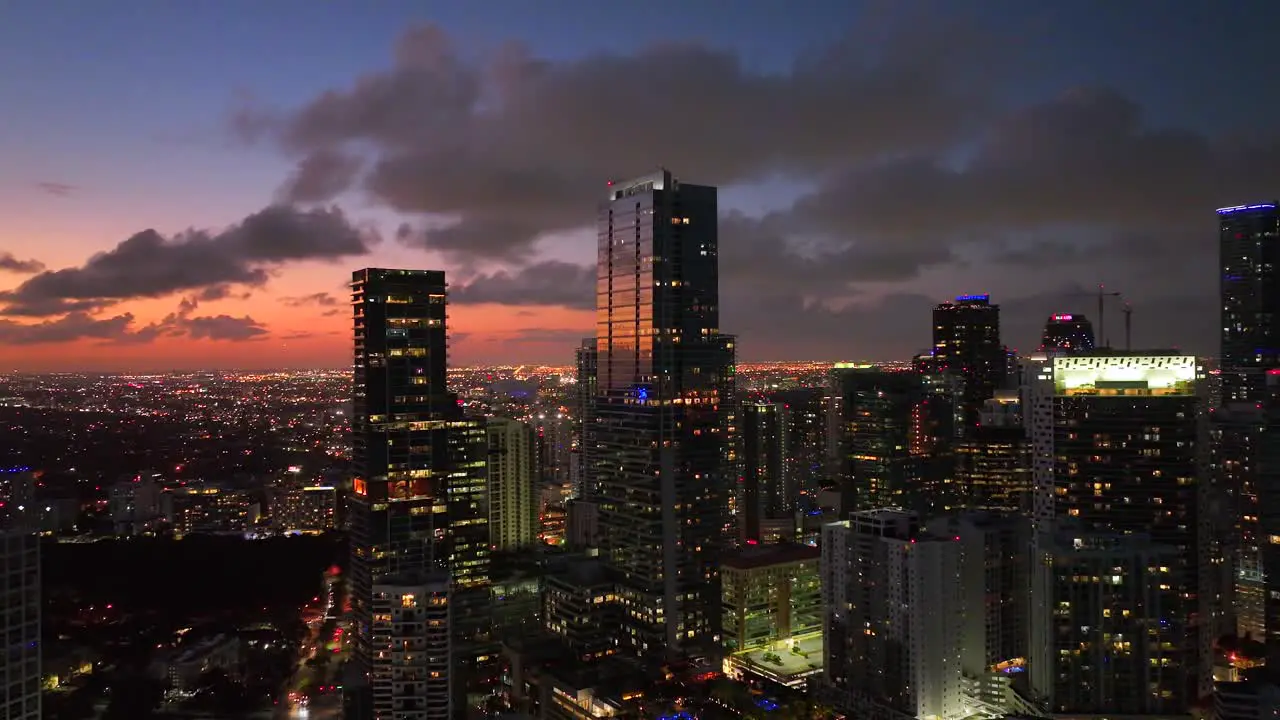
x=895 y=610
x=806 y=446
x=418 y=506
x=966 y=342
x=876 y=427
x=768 y=490
x=410 y=622
x=513 y=495
x=1126 y=438
x=586 y=360
x=993 y=461
x=665 y=378
x=1249 y=255
x=1107 y=632
x=20 y=614
x=1261 y=518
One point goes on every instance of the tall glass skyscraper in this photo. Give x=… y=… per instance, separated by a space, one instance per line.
x=1249 y=253
x=419 y=507
x=966 y=342
x=661 y=455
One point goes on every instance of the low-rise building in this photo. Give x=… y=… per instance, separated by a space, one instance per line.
x=772 y=613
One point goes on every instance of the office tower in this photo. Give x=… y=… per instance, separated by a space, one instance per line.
x=513 y=496
x=1107 y=606
x=20 y=600
x=587 y=359
x=894 y=604
x=966 y=342
x=1249 y=247
x=768 y=490
x=662 y=412
x=418 y=505
x=877 y=419
x=806 y=445
x=1067 y=332
x=993 y=462
x=1128 y=438
x=410 y=619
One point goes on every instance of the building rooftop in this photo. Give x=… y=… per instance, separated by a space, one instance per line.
x=758 y=556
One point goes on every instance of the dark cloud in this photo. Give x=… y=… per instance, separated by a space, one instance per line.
x=552 y=282
x=12 y=264
x=151 y=265
x=221 y=292
x=914 y=177
x=321 y=175
x=513 y=147
x=56 y=188
x=184 y=322
x=322 y=299
x=223 y=327
x=73 y=326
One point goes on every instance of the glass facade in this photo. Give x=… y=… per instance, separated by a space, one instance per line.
x=419 y=496
x=660 y=451
x=966 y=342
x=1249 y=252
x=878 y=413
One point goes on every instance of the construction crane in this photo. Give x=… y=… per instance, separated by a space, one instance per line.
x=1128 y=325
x=1102 y=295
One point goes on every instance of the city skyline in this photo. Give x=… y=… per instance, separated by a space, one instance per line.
x=985 y=167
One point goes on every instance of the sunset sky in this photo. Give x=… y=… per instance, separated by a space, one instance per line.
x=189 y=184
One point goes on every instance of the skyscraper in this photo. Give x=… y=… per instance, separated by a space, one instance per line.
x=877 y=424
x=993 y=462
x=768 y=487
x=659 y=433
x=1105 y=630
x=806 y=448
x=20 y=601
x=587 y=359
x=966 y=342
x=419 y=506
x=1249 y=253
x=895 y=608
x=1067 y=332
x=1128 y=438
x=513 y=496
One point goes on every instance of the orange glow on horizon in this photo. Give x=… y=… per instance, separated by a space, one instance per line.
x=301 y=337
